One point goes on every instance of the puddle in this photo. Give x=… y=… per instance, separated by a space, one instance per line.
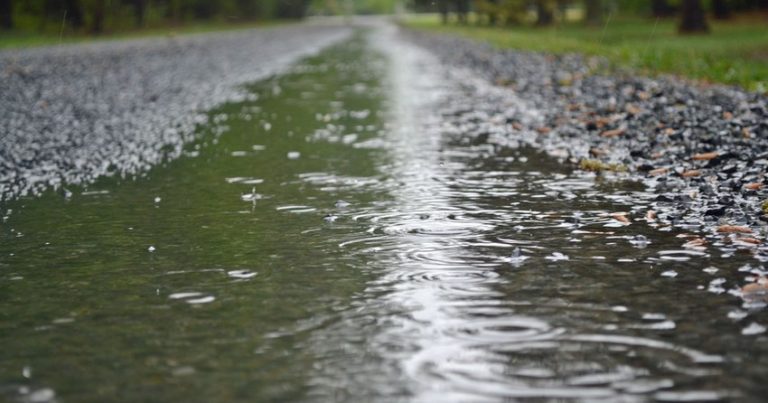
x=338 y=237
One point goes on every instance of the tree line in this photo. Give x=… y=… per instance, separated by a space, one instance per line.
x=693 y=14
x=98 y=16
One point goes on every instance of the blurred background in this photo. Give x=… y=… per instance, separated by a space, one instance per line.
x=724 y=41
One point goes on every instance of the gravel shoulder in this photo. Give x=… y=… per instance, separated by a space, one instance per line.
x=71 y=114
x=701 y=151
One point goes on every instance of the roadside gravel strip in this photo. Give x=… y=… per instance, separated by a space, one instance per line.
x=71 y=114
x=700 y=152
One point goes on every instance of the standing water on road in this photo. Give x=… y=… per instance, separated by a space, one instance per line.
x=338 y=237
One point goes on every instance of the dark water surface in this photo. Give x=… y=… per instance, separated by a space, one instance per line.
x=331 y=239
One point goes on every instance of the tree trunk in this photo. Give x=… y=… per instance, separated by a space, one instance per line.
x=6 y=14
x=462 y=9
x=721 y=10
x=660 y=8
x=544 y=14
x=74 y=13
x=493 y=12
x=594 y=11
x=693 y=19
x=442 y=6
x=97 y=17
x=139 y=11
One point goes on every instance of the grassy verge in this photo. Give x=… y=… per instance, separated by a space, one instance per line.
x=23 y=39
x=735 y=52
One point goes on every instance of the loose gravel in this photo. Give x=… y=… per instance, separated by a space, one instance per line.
x=71 y=114
x=701 y=151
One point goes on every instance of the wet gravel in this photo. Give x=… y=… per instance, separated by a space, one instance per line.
x=702 y=150
x=71 y=114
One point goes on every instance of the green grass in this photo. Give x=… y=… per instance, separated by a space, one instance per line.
x=735 y=52
x=25 y=38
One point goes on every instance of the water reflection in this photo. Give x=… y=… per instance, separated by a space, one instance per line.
x=478 y=296
x=351 y=238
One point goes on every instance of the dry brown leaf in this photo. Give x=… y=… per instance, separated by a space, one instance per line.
x=705 y=156
x=727 y=115
x=669 y=131
x=517 y=126
x=658 y=171
x=543 y=130
x=650 y=215
x=691 y=173
x=753 y=241
x=731 y=229
x=746 y=133
x=753 y=185
x=597 y=152
x=632 y=109
x=643 y=95
x=613 y=133
x=695 y=243
x=755 y=288
x=621 y=217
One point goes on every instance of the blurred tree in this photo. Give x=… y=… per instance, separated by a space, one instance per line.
x=544 y=14
x=73 y=13
x=488 y=9
x=97 y=10
x=442 y=8
x=721 y=9
x=6 y=14
x=594 y=12
x=692 y=17
x=661 y=9
x=462 y=10
x=139 y=11
x=248 y=9
x=291 y=9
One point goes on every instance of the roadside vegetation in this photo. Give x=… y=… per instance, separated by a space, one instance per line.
x=44 y=22
x=732 y=49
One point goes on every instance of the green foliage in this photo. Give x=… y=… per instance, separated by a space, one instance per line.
x=57 y=17
x=735 y=52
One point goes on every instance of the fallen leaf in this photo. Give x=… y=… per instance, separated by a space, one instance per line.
x=705 y=156
x=658 y=171
x=632 y=109
x=669 y=131
x=753 y=185
x=749 y=240
x=691 y=173
x=543 y=130
x=695 y=243
x=728 y=229
x=517 y=126
x=597 y=152
x=650 y=215
x=727 y=115
x=613 y=133
x=755 y=288
x=621 y=217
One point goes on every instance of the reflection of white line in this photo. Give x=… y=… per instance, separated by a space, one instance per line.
x=694 y=355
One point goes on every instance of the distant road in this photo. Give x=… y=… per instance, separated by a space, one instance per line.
x=72 y=113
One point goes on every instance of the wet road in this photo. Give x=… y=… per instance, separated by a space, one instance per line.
x=71 y=114
x=338 y=236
